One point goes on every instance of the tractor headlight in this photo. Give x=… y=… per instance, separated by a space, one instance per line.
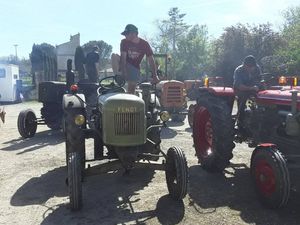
x=282 y=80
x=164 y=116
x=184 y=93
x=79 y=120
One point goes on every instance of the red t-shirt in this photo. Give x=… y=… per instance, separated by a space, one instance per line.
x=136 y=51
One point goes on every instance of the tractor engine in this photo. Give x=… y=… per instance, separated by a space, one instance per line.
x=267 y=117
x=260 y=122
x=122 y=119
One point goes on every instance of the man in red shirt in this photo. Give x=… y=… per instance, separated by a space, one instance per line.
x=133 y=50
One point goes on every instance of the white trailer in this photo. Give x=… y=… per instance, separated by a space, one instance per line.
x=9 y=74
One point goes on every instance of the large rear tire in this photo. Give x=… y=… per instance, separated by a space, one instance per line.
x=213 y=133
x=74 y=180
x=27 y=123
x=271 y=176
x=176 y=173
x=191 y=112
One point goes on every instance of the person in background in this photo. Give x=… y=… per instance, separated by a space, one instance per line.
x=92 y=64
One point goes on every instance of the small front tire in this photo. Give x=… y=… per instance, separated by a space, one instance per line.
x=176 y=173
x=27 y=123
x=74 y=181
x=271 y=176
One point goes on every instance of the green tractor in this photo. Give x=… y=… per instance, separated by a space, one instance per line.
x=126 y=132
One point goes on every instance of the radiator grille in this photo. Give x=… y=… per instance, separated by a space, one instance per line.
x=174 y=95
x=127 y=123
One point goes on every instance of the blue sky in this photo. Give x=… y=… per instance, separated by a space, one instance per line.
x=24 y=22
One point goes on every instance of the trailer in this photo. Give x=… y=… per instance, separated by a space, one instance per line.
x=9 y=74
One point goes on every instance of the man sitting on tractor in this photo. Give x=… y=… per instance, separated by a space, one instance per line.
x=245 y=77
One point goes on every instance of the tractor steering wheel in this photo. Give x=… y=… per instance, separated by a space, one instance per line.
x=112 y=82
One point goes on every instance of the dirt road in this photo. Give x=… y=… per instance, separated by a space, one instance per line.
x=33 y=190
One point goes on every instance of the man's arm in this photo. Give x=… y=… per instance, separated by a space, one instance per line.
x=151 y=62
x=123 y=65
x=238 y=83
x=243 y=87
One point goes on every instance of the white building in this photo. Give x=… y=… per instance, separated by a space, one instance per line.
x=66 y=51
x=9 y=74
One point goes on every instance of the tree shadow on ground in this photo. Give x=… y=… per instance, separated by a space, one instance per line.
x=167 y=133
x=209 y=191
x=110 y=198
x=190 y=130
x=39 y=190
x=40 y=140
x=174 y=124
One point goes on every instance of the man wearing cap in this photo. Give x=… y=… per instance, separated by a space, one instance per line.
x=246 y=75
x=133 y=50
x=245 y=79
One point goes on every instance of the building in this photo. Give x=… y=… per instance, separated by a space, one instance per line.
x=66 y=51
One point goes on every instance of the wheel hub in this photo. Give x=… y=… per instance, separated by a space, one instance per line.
x=265 y=178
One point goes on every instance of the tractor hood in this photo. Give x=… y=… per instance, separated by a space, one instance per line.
x=118 y=100
x=165 y=83
x=277 y=97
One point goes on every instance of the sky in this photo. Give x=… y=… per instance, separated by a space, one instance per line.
x=25 y=22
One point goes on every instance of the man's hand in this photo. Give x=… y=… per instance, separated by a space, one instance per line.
x=255 y=88
x=155 y=79
x=120 y=80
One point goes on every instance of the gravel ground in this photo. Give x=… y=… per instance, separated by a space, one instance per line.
x=33 y=190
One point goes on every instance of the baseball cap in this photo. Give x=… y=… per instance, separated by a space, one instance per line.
x=130 y=28
x=250 y=60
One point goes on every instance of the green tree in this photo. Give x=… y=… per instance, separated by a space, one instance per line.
x=239 y=41
x=290 y=50
x=193 y=53
x=79 y=61
x=44 y=61
x=170 y=31
x=104 y=51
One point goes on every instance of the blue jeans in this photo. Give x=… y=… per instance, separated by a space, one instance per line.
x=133 y=73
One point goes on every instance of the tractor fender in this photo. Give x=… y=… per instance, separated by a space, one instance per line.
x=225 y=93
x=73 y=101
x=218 y=91
x=263 y=146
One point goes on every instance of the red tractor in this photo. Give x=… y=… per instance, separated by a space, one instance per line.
x=271 y=124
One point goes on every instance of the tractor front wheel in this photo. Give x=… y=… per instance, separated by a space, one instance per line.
x=74 y=180
x=74 y=135
x=271 y=176
x=176 y=173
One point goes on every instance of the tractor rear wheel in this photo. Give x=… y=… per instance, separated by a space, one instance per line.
x=191 y=112
x=27 y=123
x=271 y=176
x=176 y=173
x=213 y=133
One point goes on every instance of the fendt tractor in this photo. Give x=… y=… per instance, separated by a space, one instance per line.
x=271 y=125
x=126 y=132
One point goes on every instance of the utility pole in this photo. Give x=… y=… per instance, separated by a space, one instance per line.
x=16 y=52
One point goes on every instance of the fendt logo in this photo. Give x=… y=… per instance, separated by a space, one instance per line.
x=127 y=109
